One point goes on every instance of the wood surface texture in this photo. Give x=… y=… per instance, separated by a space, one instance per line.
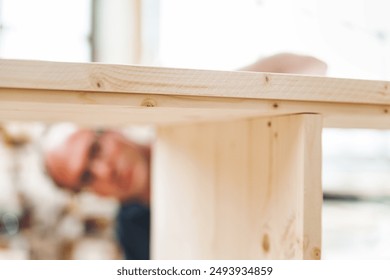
x=152 y=80
x=237 y=161
x=101 y=94
x=248 y=189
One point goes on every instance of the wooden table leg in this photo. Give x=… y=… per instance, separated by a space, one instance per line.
x=247 y=189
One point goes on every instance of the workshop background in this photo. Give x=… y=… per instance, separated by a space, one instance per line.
x=39 y=221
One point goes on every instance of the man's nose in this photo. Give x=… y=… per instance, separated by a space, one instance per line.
x=101 y=169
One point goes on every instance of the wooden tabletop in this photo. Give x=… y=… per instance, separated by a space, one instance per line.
x=104 y=94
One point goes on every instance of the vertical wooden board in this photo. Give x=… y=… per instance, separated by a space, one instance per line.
x=183 y=192
x=289 y=192
x=231 y=178
x=313 y=197
x=238 y=190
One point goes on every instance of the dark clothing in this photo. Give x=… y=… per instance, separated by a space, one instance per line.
x=133 y=230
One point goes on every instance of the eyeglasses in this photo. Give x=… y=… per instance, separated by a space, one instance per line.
x=87 y=177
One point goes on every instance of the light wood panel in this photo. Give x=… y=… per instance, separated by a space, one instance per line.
x=247 y=189
x=167 y=81
x=102 y=108
x=236 y=167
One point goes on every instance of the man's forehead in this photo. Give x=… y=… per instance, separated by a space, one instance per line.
x=68 y=161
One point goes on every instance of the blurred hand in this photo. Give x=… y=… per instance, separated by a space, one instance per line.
x=289 y=63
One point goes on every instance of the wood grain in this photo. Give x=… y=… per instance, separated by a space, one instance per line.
x=236 y=167
x=94 y=77
x=119 y=109
x=248 y=189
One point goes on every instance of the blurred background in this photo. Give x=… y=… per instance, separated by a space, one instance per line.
x=38 y=221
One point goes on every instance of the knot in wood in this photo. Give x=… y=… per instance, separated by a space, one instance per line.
x=148 y=102
x=266 y=243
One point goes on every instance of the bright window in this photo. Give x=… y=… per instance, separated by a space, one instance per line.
x=45 y=29
x=352 y=36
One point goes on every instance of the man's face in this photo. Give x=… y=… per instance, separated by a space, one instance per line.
x=107 y=164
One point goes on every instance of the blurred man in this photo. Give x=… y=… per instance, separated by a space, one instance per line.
x=108 y=164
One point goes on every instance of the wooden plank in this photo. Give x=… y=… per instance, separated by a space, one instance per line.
x=248 y=189
x=95 y=77
x=91 y=108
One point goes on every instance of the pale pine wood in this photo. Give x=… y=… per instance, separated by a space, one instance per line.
x=167 y=81
x=118 y=109
x=101 y=94
x=235 y=174
x=247 y=189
